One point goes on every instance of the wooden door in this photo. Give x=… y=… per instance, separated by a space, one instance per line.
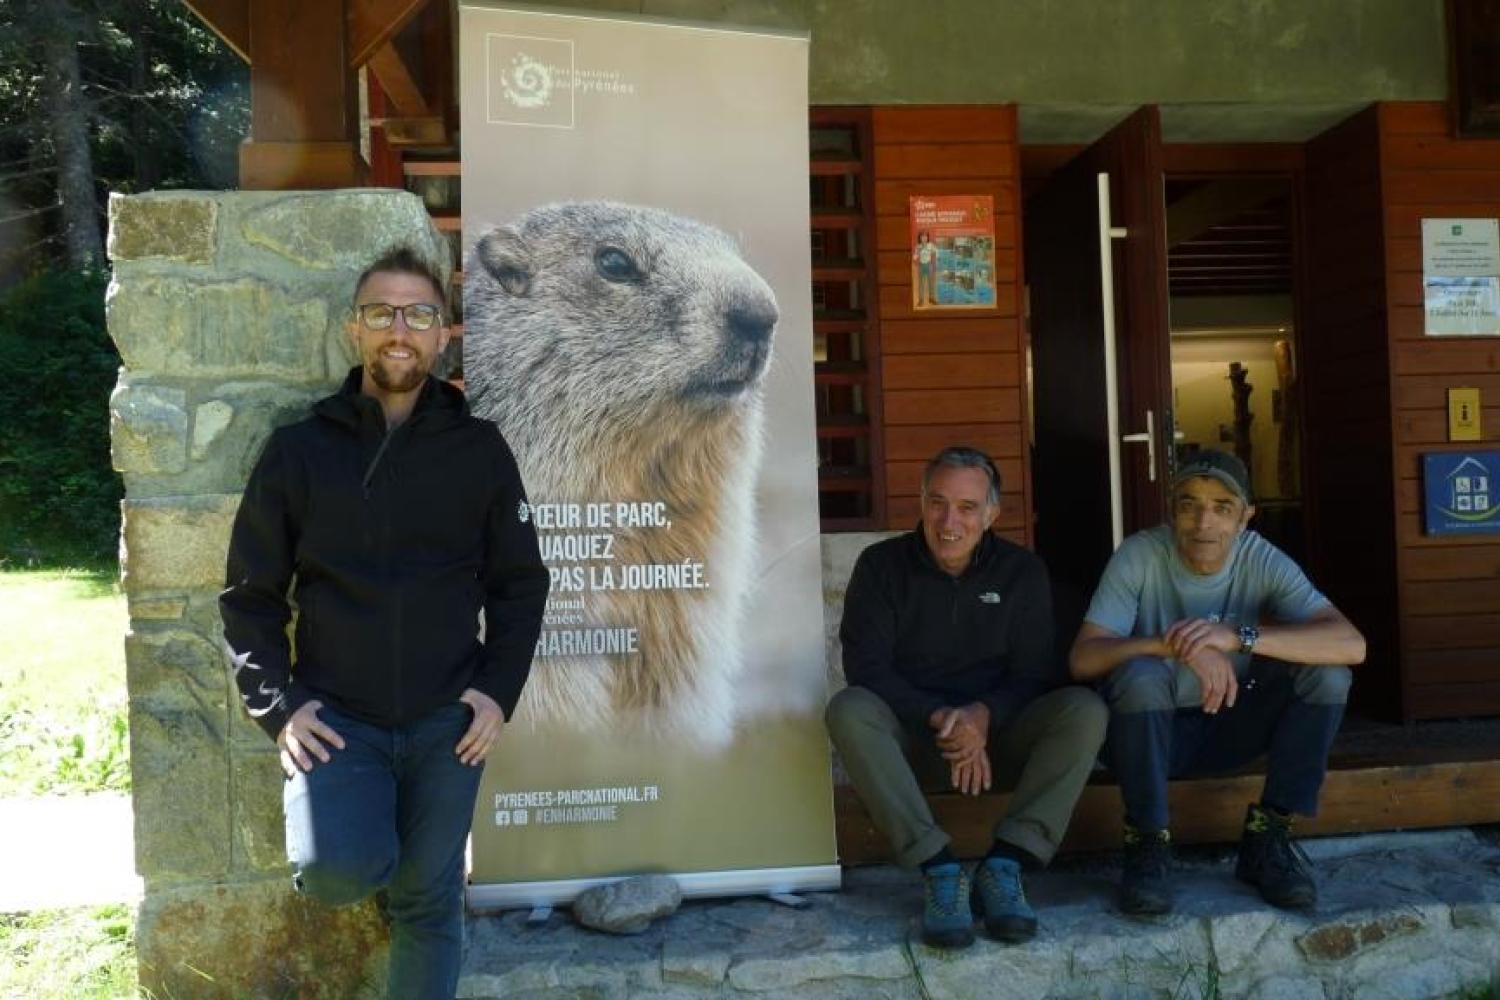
x=1079 y=506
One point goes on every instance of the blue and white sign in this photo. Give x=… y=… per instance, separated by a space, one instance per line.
x=1462 y=492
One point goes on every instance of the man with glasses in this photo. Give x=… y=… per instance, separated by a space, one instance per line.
x=949 y=653
x=401 y=519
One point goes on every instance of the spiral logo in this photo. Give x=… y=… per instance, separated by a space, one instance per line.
x=528 y=83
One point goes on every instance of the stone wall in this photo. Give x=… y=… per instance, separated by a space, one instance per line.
x=228 y=311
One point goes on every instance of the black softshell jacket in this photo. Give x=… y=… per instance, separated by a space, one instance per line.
x=397 y=541
x=924 y=640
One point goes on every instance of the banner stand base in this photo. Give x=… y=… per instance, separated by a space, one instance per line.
x=694 y=885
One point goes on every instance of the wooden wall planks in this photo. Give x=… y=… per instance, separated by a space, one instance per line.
x=1450 y=587
x=959 y=377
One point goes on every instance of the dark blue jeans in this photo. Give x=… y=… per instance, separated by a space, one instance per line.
x=392 y=809
x=1288 y=712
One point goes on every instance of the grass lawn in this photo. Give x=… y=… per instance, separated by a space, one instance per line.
x=62 y=683
x=63 y=732
x=79 y=954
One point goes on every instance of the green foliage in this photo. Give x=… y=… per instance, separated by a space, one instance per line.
x=76 y=954
x=59 y=497
x=45 y=753
x=165 y=104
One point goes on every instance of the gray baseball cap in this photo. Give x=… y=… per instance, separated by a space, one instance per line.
x=1220 y=465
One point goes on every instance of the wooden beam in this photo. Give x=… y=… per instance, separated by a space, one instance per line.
x=1216 y=202
x=1211 y=810
x=401 y=89
x=229 y=19
x=373 y=23
x=288 y=166
x=429 y=131
x=304 y=116
x=300 y=88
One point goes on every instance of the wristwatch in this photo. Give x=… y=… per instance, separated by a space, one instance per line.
x=1249 y=634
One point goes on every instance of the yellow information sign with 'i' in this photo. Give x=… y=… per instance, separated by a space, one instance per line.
x=1463 y=415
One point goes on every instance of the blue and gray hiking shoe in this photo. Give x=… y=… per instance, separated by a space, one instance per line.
x=1001 y=901
x=947 y=921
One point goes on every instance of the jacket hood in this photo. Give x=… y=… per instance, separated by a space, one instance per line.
x=438 y=402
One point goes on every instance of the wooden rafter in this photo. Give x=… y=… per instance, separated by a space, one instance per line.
x=229 y=19
x=374 y=23
x=400 y=87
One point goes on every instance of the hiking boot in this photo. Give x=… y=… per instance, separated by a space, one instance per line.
x=1146 y=885
x=1274 y=863
x=1001 y=901
x=947 y=921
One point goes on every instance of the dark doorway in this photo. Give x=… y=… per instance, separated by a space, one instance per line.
x=1096 y=277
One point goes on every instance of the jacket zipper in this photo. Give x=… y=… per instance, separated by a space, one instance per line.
x=379 y=453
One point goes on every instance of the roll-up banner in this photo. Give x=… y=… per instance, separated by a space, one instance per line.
x=638 y=323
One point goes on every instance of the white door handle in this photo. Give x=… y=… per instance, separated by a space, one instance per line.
x=1149 y=437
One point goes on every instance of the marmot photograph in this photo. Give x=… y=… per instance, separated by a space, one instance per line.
x=622 y=351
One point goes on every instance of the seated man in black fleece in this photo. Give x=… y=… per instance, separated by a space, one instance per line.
x=948 y=650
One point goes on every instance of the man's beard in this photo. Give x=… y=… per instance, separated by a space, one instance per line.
x=390 y=381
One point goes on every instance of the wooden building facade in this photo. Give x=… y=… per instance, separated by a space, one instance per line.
x=1370 y=390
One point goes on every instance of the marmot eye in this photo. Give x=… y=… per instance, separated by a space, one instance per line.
x=616 y=265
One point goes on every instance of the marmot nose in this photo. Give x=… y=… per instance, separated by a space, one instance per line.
x=751 y=321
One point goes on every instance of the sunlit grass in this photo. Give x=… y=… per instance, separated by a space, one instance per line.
x=62 y=683
x=76 y=954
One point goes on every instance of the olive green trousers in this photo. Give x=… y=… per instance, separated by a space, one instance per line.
x=1042 y=757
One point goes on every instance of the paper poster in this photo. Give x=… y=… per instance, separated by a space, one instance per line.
x=1461 y=277
x=953 y=252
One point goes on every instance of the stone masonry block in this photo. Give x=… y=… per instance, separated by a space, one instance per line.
x=255 y=409
x=258 y=939
x=176 y=668
x=1350 y=935
x=344 y=230
x=148 y=426
x=163 y=608
x=230 y=424
x=172 y=543
x=180 y=769
x=180 y=227
x=209 y=422
x=242 y=327
x=259 y=831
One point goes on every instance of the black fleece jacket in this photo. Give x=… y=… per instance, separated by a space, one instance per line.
x=923 y=640
x=397 y=541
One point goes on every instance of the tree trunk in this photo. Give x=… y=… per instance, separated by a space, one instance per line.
x=70 y=137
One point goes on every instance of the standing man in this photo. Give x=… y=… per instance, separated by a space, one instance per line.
x=949 y=653
x=1170 y=632
x=397 y=514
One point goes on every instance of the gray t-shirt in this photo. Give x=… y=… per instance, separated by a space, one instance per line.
x=1146 y=588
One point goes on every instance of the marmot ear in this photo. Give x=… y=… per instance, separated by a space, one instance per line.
x=503 y=254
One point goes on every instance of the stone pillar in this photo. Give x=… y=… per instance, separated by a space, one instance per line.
x=228 y=311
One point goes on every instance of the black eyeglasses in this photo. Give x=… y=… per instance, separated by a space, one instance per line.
x=418 y=316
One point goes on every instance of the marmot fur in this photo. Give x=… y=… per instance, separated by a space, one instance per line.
x=621 y=350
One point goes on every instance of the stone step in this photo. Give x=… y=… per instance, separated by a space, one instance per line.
x=1400 y=916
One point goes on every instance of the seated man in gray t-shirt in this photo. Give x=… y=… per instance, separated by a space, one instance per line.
x=1170 y=635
